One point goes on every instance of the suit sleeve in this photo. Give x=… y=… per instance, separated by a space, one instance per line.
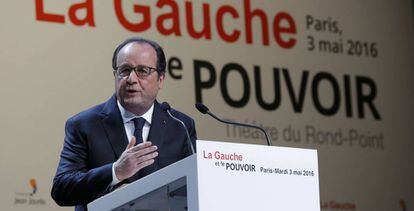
x=74 y=182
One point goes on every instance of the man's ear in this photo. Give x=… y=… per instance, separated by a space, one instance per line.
x=161 y=78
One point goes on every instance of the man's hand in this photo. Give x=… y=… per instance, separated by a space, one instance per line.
x=134 y=158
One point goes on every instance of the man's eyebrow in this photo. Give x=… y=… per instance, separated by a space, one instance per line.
x=124 y=65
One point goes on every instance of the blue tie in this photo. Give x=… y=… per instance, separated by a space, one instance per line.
x=139 y=124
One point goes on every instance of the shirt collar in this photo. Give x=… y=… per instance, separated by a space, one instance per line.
x=128 y=116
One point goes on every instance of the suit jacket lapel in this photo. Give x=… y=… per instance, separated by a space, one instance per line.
x=114 y=127
x=158 y=124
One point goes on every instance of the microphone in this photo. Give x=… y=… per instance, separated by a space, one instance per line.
x=203 y=109
x=167 y=108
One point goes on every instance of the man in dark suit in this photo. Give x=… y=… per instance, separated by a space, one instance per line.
x=125 y=138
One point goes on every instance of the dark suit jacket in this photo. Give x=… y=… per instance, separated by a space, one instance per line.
x=94 y=140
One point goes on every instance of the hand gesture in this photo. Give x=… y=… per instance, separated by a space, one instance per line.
x=134 y=158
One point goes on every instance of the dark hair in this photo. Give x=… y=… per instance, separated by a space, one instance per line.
x=161 y=62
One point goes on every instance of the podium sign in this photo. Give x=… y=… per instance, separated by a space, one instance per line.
x=225 y=176
x=255 y=177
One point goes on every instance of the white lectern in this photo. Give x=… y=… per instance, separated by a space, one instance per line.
x=225 y=176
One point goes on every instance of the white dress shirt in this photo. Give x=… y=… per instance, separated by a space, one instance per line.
x=129 y=126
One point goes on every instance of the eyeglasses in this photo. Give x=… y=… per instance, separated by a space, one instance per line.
x=142 y=71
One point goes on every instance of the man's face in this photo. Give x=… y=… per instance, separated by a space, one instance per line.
x=134 y=93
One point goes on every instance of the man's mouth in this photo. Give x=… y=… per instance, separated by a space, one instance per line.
x=132 y=91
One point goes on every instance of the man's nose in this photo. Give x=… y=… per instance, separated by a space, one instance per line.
x=133 y=77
